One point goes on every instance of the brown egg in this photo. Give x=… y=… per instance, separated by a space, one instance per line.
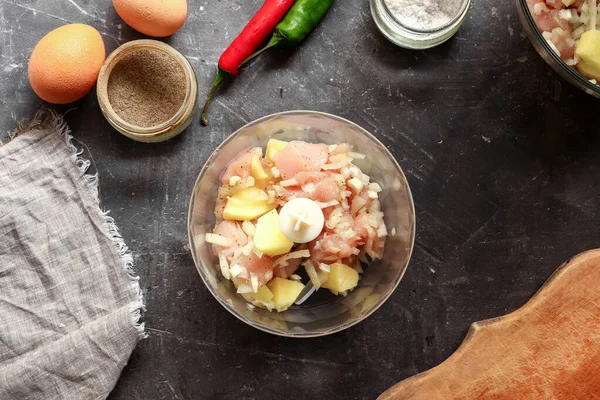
x=153 y=17
x=64 y=65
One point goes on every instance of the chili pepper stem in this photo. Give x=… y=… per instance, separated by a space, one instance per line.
x=221 y=77
x=274 y=41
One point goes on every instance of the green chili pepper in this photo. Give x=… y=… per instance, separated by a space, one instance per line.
x=298 y=23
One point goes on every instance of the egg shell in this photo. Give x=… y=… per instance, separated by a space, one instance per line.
x=157 y=18
x=65 y=63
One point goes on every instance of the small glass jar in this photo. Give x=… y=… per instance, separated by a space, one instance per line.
x=165 y=130
x=411 y=38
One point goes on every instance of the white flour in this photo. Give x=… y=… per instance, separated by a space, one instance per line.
x=423 y=14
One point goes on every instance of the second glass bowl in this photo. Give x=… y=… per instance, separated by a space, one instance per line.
x=540 y=44
x=320 y=315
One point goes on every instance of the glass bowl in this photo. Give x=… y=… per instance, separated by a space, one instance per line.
x=568 y=73
x=323 y=313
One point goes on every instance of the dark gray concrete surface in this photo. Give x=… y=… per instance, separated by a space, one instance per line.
x=502 y=157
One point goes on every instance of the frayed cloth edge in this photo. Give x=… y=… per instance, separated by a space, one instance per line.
x=45 y=118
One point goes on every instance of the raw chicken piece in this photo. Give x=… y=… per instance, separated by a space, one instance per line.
x=300 y=156
x=240 y=166
x=287 y=271
x=231 y=230
x=326 y=190
x=547 y=19
x=262 y=267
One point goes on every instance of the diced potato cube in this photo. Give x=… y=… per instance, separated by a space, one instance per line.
x=247 y=204
x=285 y=292
x=274 y=146
x=258 y=172
x=341 y=278
x=251 y=194
x=588 y=48
x=268 y=238
x=588 y=70
x=264 y=294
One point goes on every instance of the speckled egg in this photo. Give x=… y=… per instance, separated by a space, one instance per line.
x=65 y=63
x=157 y=18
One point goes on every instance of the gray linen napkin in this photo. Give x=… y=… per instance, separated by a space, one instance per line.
x=69 y=302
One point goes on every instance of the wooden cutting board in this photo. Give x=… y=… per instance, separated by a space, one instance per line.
x=548 y=349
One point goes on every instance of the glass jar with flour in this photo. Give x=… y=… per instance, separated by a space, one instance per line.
x=419 y=24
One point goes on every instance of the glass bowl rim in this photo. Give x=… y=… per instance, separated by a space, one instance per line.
x=572 y=72
x=341 y=327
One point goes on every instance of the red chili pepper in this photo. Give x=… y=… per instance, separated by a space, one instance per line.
x=253 y=35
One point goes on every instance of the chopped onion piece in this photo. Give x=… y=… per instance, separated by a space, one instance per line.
x=375 y=187
x=309 y=188
x=334 y=218
x=349 y=234
x=254 y=281
x=247 y=249
x=359 y=156
x=356 y=184
x=249 y=228
x=224 y=266
x=219 y=240
x=236 y=270
x=381 y=230
x=294 y=254
x=338 y=158
x=375 y=207
x=372 y=194
x=355 y=171
x=338 y=165
x=327 y=204
x=324 y=267
x=357 y=203
x=289 y=182
x=250 y=181
x=295 y=277
x=271 y=194
x=244 y=288
x=343 y=226
x=275 y=171
x=234 y=180
x=312 y=274
x=345 y=205
x=268 y=275
x=365 y=179
x=393 y=233
x=258 y=253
